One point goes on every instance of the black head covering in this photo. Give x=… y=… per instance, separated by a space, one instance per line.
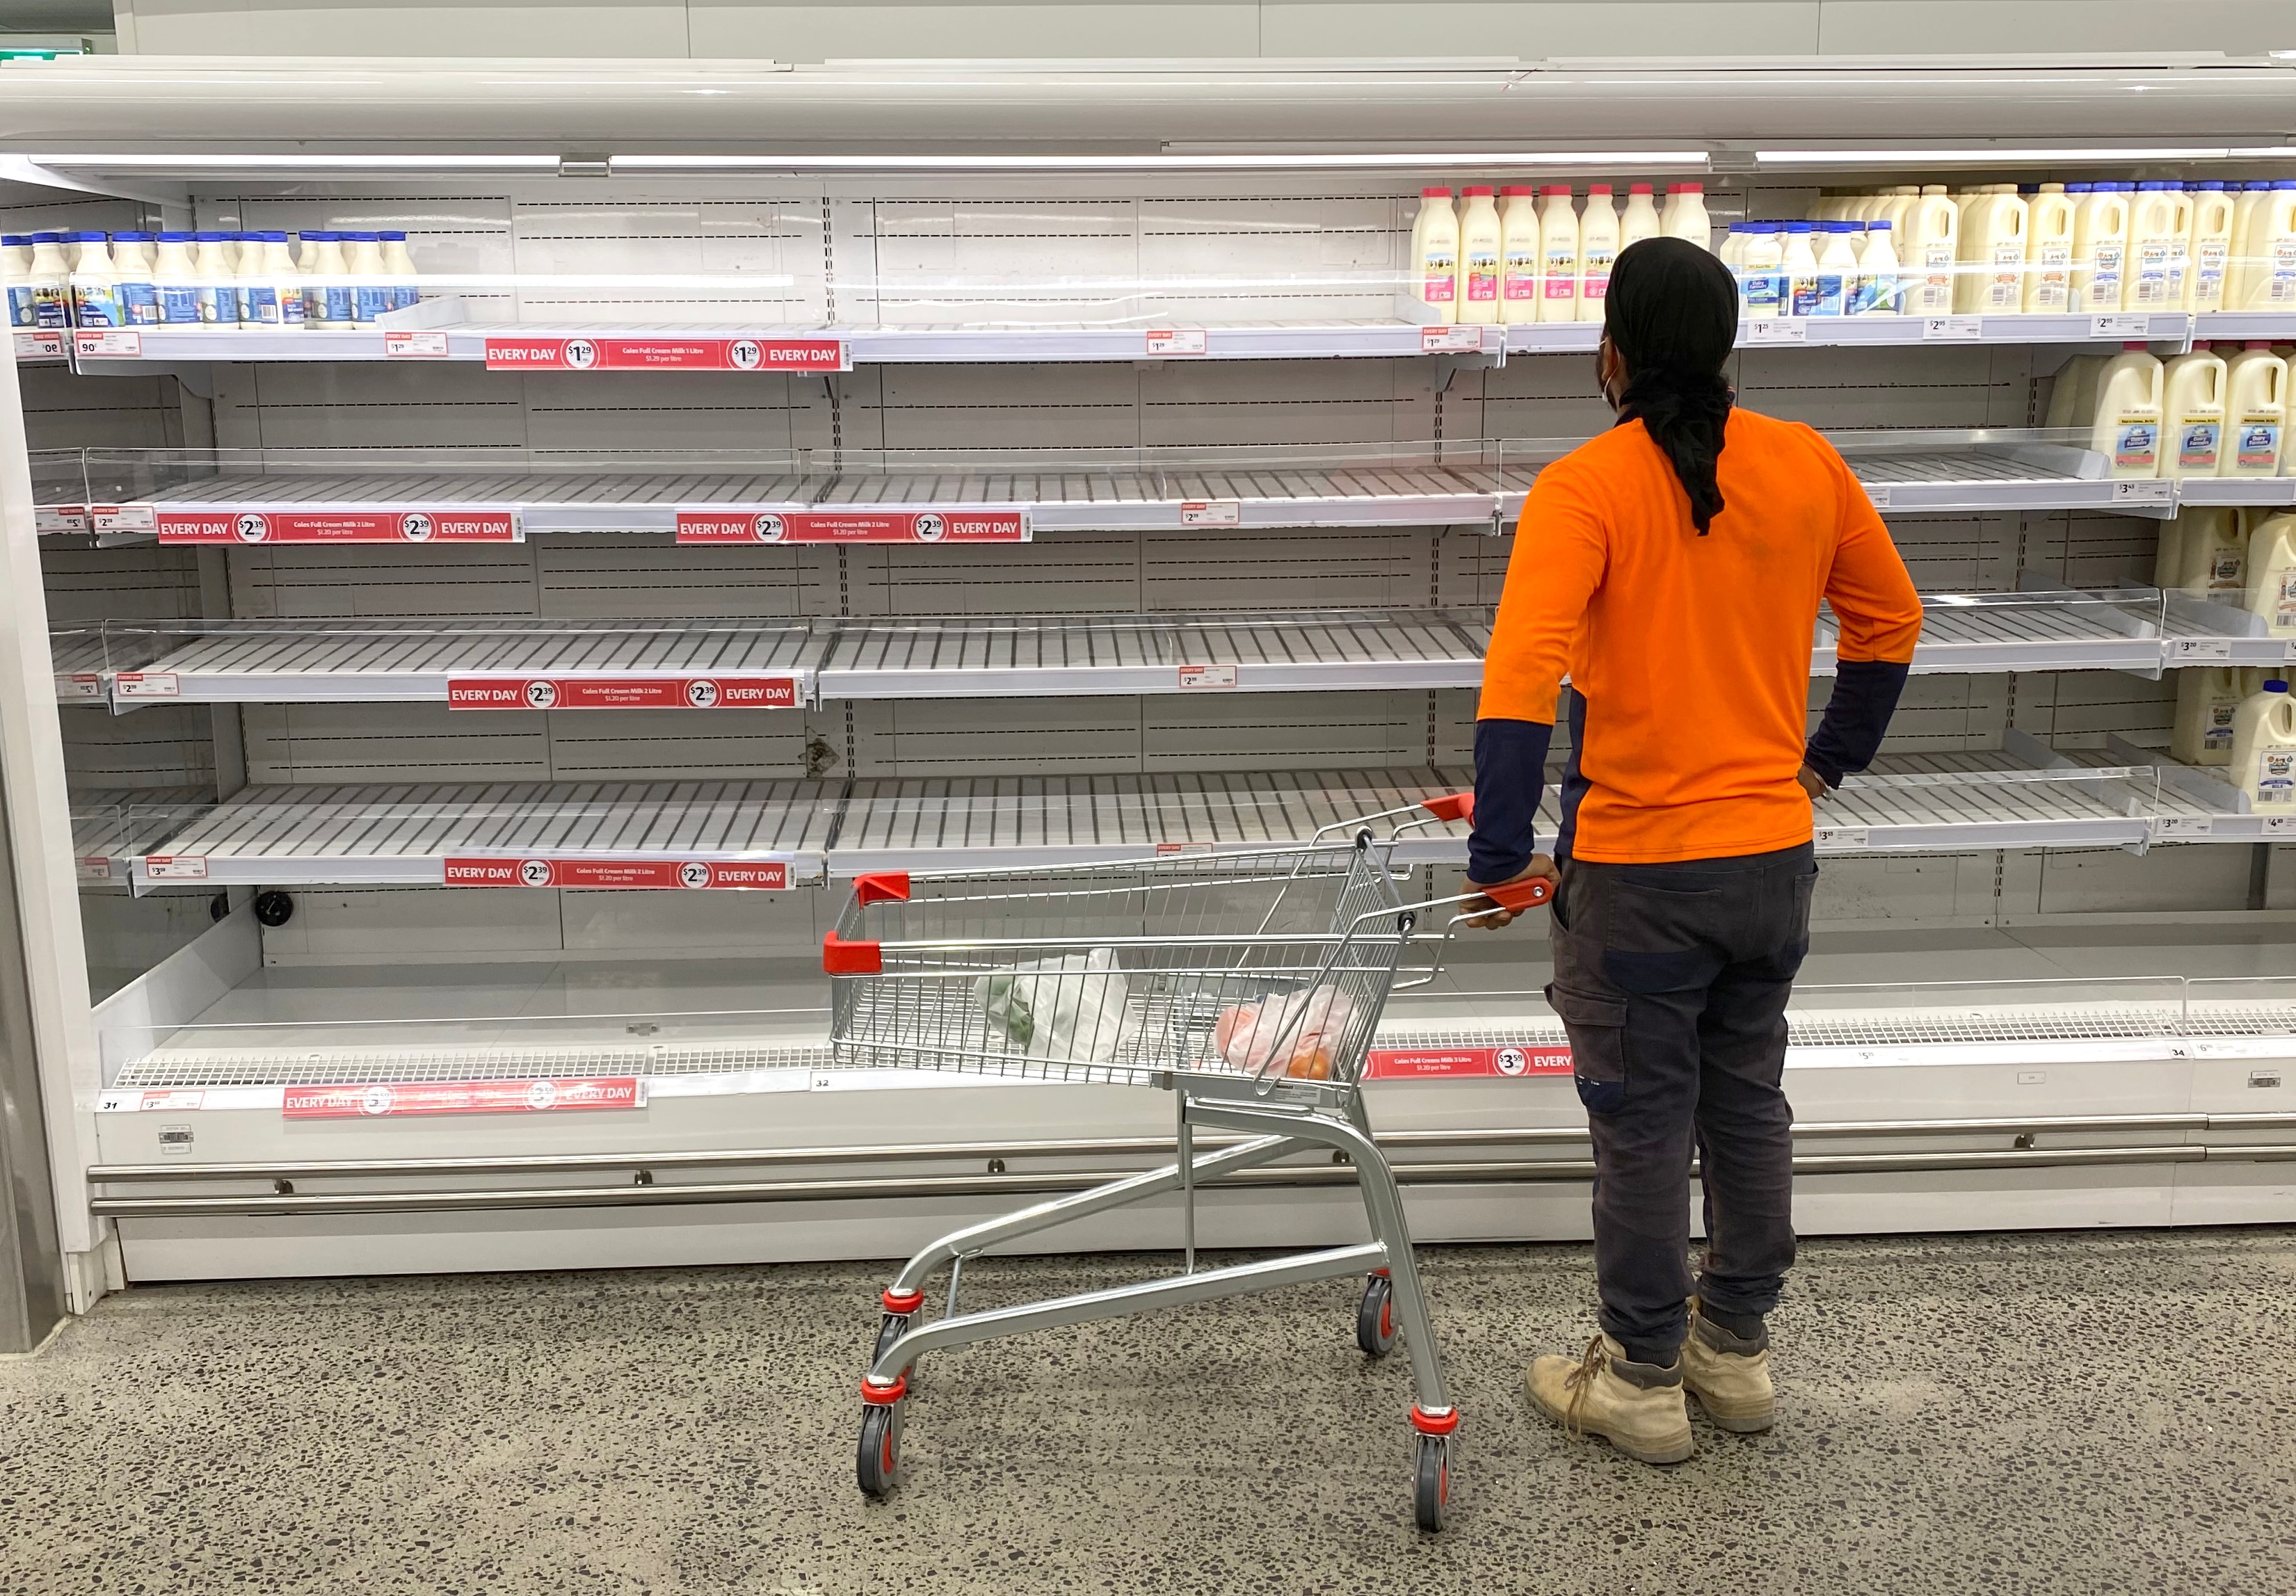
x=1672 y=314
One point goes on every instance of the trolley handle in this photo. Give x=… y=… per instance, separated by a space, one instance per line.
x=1518 y=897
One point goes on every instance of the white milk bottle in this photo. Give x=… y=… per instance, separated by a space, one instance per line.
x=1690 y=218
x=251 y=284
x=1641 y=219
x=2208 y=700
x=218 y=288
x=1993 y=245
x=1897 y=209
x=2126 y=429
x=1798 y=266
x=1763 y=282
x=2264 y=749
x=406 y=280
x=2193 y=414
x=16 y=274
x=2272 y=246
x=2158 y=225
x=1558 y=251
x=1933 y=238
x=2168 y=555
x=131 y=259
x=2239 y=268
x=1598 y=246
x=1837 y=269
x=94 y=283
x=1876 y=290
x=280 y=271
x=2207 y=246
x=1434 y=256
x=2211 y=546
x=2272 y=573
x=1519 y=252
x=2073 y=392
x=371 y=280
x=1734 y=251
x=1479 y=258
x=2100 y=249
x=2048 y=250
x=2256 y=413
x=49 y=280
x=1667 y=211
x=175 y=281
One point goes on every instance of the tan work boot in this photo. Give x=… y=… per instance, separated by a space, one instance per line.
x=1635 y=1407
x=1729 y=1374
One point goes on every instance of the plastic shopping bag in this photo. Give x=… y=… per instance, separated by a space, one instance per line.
x=1305 y=1027
x=1072 y=1007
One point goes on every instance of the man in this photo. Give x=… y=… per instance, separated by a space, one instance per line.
x=1674 y=568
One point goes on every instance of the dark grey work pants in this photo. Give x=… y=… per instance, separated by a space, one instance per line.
x=1672 y=980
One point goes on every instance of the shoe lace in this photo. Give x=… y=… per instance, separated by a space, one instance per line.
x=1581 y=1380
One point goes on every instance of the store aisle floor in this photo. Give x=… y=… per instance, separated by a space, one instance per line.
x=2110 y=1411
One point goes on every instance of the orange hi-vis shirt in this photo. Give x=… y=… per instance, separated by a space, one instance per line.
x=1691 y=654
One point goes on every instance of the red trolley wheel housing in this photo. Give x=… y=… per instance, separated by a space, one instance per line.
x=903 y=1302
x=885 y=1396
x=1426 y=1423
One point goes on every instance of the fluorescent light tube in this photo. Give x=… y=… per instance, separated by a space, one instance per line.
x=2006 y=155
x=1608 y=160
x=168 y=163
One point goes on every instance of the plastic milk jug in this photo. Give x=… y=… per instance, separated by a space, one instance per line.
x=2271 y=245
x=2211 y=556
x=2167 y=552
x=94 y=283
x=2158 y=223
x=174 y=279
x=280 y=271
x=2207 y=246
x=2192 y=405
x=2256 y=413
x=50 y=281
x=1762 y=282
x=1932 y=238
x=1995 y=231
x=1800 y=267
x=1558 y=250
x=2100 y=249
x=1641 y=218
x=406 y=280
x=1837 y=269
x=16 y=275
x=2264 y=749
x=2272 y=573
x=371 y=281
x=131 y=259
x=2073 y=393
x=1434 y=255
x=217 y=290
x=1599 y=244
x=252 y=284
x=2126 y=428
x=1517 y=254
x=1876 y=293
x=2208 y=700
x=1690 y=219
x=2048 y=250
x=1479 y=258
x=1667 y=211
x=1734 y=252
x=2240 y=269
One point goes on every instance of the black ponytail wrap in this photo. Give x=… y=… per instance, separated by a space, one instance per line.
x=1672 y=314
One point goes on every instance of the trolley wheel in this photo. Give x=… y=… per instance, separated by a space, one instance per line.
x=1375 y=1317
x=1430 y=1493
x=880 y=1457
x=891 y=1329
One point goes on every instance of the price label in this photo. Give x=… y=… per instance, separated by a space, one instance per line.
x=111 y=344
x=378 y=1100
x=176 y=867
x=1193 y=677
x=1841 y=838
x=1953 y=329
x=2199 y=648
x=839 y=526
x=738 y=352
x=414 y=345
x=769 y=875
x=2279 y=826
x=80 y=684
x=1173 y=850
x=350 y=525
x=123 y=517
x=2184 y=825
x=40 y=343
x=1451 y=340
x=2144 y=490
x=1879 y=492
x=621 y=692
x=94 y=867
x=60 y=518
x=1176 y=341
x=1211 y=512
x=1467 y=1063
x=1777 y=330
x=2290 y=653
x=2120 y=326
x=146 y=684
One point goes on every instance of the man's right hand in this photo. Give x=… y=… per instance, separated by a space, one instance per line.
x=1489 y=916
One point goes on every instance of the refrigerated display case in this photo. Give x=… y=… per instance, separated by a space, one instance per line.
x=475 y=716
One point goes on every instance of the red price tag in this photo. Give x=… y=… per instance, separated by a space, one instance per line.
x=378 y=1100
x=256 y=527
x=1463 y=1063
x=736 y=352
x=766 y=875
x=622 y=693
x=839 y=526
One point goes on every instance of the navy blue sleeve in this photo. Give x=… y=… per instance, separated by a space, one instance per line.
x=1849 y=734
x=1510 y=776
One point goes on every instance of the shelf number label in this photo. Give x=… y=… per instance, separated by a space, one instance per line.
x=1176 y=341
x=2120 y=326
x=1842 y=837
x=2186 y=825
x=2144 y=490
x=1953 y=329
x=1777 y=330
x=1211 y=512
x=414 y=345
x=2199 y=648
x=1207 y=676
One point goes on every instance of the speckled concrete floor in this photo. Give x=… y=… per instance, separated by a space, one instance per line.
x=2031 y=1413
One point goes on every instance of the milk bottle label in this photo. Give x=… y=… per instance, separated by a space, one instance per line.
x=289 y=301
x=1439 y=283
x=1937 y=291
x=50 y=305
x=218 y=305
x=1561 y=274
x=2104 y=280
x=2137 y=446
x=258 y=304
x=2281 y=290
x=2055 y=277
x=2284 y=604
x=1597 y=284
x=1521 y=276
x=1762 y=292
x=179 y=305
x=139 y=304
x=2196 y=446
x=2228 y=571
x=96 y=304
x=2218 y=736
x=2007 y=289
x=2257 y=445
x=19 y=305
x=2209 y=268
x=1804 y=294
x=2275 y=777
x=371 y=301
x=2152 y=272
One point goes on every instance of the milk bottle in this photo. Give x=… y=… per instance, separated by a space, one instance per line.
x=371 y=282
x=2158 y=227
x=1875 y=292
x=279 y=275
x=2272 y=574
x=1667 y=213
x=2073 y=393
x=173 y=278
x=2192 y=407
x=1598 y=246
x=94 y=283
x=2272 y=246
x=2126 y=428
x=1434 y=257
x=1479 y=258
x=1800 y=267
x=2100 y=249
x=2264 y=749
x=1641 y=218
x=1933 y=238
x=1519 y=253
x=1690 y=216
x=16 y=274
x=131 y=259
x=1558 y=248
x=2211 y=556
x=406 y=290
x=48 y=279
x=1993 y=245
x=1762 y=281
x=1837 y=269
x=2206 y=245
x=2048 y=249
x=2256 y=413
x=218 y=292
x=1897 y=209
x=2240 y=269
x=2208 y=700
x=252 y=285
x=2167 y=565
x=1734 y=251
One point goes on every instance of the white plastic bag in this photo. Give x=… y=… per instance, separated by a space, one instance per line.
x=1307 y=1025
x=1072 y=1007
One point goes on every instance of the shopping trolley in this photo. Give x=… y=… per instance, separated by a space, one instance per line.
x=1248 y=983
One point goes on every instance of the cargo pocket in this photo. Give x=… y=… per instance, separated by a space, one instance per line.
x=1597 y=1026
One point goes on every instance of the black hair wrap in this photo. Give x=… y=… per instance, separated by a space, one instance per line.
x=1672 y=314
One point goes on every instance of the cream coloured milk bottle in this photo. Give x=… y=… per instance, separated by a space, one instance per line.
x=131 y=257
x=2272 y=246
x=1875 y=290
x=1798 y=267
x=217 y=273
x=1932 y=242
x=406 y=280
x=1898 y=210
x=2256 y=413
x=2073 y=392
x=2239 y=269
x=2168 y=551
x=1598 y=246
x=1434 y=255
x=2211 y=556
x=1994 y=244
x=2208 y=700
x=286 y=282
x=2207 y=246
x=49 y=280
x=16 y=274
x=2263 y=763
x=175 y=281
x=1734 y=251
x=1762 y=282
x=2272 y=573
x=1641 y=219
x=1518 y=254
x=2126 y=429
x=1837 y=268
x=1479 y=258
x=2048 y=250
x=257 y=297
x=1690 y=218
x=2158 y=225
x=1558 y=251
x=2193 y=414
x=1667 y=211
x=2100 y=249
x=371 y=281
x=94 y=283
